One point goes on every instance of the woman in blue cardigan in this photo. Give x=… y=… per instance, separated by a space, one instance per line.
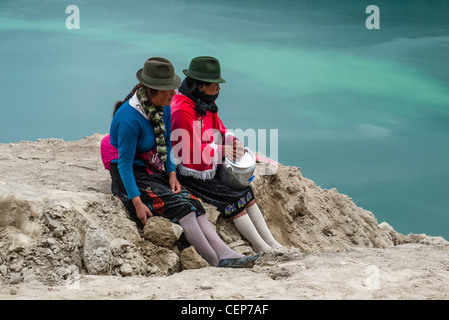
x=143 y=173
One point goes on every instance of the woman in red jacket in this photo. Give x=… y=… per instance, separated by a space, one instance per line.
x=197 y=137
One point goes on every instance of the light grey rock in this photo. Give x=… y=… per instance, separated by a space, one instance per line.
x=97 y=255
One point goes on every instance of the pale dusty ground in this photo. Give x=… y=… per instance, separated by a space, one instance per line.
x=410 y=271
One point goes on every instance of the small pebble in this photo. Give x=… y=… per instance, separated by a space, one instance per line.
x=206 y=285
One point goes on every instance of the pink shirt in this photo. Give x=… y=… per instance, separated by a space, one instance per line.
x=108 y=152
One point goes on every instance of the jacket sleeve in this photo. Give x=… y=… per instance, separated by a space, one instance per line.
x=127 y=144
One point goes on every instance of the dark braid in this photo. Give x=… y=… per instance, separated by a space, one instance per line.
x=118 y=104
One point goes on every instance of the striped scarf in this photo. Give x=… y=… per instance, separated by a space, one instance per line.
x=155 y=115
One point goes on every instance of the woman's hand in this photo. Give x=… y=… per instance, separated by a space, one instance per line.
x=236 y=151
x=239 y=148
x=142 y=210
x=175 y=186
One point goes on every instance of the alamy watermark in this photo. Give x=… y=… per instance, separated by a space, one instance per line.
x=373 y=20
x=73 y=20
x=72 y=281
x=372 y=281
x=197 y=146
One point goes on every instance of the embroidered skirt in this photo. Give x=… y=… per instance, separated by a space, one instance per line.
x=228 y=201
x=156 y=194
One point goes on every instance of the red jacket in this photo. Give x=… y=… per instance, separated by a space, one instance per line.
x=197 y=140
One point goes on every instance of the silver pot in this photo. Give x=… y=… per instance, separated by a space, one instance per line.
x=239 y=174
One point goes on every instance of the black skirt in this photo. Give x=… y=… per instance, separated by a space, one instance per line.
x=228 y=201
x=156 y=194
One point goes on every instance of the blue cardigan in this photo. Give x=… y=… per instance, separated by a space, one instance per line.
x=132 y=133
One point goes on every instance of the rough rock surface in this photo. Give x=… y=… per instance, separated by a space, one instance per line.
x=190 y=259
x=58 y=219
x=162 y=232
x=97 y=256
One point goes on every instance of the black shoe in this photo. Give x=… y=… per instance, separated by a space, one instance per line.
x=243 y=262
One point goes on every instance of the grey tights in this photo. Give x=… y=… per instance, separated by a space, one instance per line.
x=202 y=235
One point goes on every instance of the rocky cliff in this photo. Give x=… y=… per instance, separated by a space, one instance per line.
x=58 y=218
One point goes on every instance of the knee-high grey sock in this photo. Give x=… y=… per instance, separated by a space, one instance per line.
x=198 y=240
x=246 y=227
x=259 y=222
x=221 y=248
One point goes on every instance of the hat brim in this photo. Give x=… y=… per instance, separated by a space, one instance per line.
x=171 y=86
x=220 y=80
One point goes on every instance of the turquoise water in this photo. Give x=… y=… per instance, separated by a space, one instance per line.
x=364 y=111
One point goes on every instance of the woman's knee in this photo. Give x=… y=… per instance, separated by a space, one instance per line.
x=238 y=215
x=188 y=217
x=251 y=203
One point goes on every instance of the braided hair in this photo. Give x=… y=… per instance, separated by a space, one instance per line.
x=118 y=104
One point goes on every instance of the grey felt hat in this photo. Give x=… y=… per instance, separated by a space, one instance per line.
x=158 y=73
